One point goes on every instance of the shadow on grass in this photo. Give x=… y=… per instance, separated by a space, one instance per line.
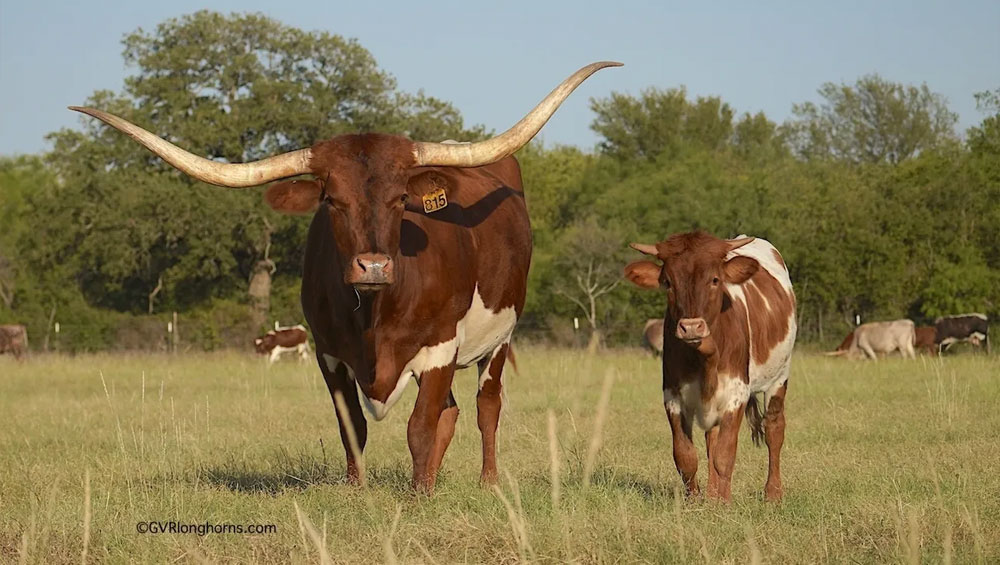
x=615 y=479
x=282 y=471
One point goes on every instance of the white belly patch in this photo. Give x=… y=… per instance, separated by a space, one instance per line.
x=477 y=335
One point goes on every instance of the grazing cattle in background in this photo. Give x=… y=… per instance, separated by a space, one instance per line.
x=652 y=336
x=13 y=340
x=729 y=331
x=925 y=339
x=973 y=328
x=846 y=344
x=881 y=337
x=416 y=264
x=283 y=340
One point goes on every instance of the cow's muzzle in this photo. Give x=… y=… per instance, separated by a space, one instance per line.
x=692 y=330
x=370 y=271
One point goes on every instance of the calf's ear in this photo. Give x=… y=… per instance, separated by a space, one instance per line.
x=739 y=269
x=300 y=196
x=643 y=274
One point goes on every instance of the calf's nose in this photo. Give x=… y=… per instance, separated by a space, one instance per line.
x=692 y=329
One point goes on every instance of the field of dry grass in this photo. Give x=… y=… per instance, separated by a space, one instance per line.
x=883 y=462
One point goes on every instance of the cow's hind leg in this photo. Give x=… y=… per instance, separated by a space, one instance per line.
x=685 y=455
x=774 y=436
x=338 y=380
x=422 y=430
x=488 y=403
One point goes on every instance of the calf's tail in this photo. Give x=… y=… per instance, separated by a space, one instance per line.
x=755 y=419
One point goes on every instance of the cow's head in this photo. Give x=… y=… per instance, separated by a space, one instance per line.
x=693 y=270
x=361 y=181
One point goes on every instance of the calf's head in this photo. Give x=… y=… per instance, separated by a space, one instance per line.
x=693 y=271
x=362 y=181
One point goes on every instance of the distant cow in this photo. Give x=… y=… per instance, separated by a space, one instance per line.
x=283 y=340
x=925 y=338
x=881 y=337
x=13 y=340
x=652 y=336
x=729 y=332
x=973 y=328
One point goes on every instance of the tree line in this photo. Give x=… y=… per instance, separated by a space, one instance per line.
x=881 y=208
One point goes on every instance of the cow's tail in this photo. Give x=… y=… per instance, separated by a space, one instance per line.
x=755 y=419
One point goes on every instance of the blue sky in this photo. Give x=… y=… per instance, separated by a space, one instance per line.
x=495 y=60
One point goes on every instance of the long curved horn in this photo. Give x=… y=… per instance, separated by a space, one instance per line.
x=494 y=149
x=235 y=175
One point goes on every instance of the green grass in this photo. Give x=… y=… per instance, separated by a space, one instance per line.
x=883 y=462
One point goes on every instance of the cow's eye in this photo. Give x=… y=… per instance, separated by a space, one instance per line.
x=403 y=197
x=715 y=280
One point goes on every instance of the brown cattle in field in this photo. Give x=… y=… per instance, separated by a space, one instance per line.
x=729 y=331
x=925 y=339
x=283 y=340
x=13 y=340
x=416 y=264
x=846 y=344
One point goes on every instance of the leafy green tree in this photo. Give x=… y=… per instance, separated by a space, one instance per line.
x=873 y=121
x=659 y=121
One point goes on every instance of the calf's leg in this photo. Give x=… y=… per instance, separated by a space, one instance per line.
x=774 y=437
x=724 y=453
x=685 y=455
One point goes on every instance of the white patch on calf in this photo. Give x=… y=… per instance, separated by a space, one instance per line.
x=731 y=395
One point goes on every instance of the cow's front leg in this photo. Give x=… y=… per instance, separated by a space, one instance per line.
x=724 y=453
x=685 y=455
x=422 y=431
x=711 y=438
x=337 y=380
x=488 y=403
x=445 y=431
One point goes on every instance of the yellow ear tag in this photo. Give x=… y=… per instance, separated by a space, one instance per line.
x=434 y=200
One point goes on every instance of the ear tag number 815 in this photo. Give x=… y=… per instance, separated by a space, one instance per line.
x=434 y=200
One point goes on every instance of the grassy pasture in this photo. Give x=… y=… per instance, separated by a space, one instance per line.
x=884 y=462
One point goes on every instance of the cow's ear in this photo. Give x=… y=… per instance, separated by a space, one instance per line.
x=739 y=269
x=643 y=274
x=429 y=183
x=300 y=196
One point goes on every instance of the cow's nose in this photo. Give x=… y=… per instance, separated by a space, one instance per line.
x=370 y=271
x=692 y=330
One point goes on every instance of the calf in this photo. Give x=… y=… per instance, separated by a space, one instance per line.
x=283 y=340
x=973 y=328
x=13 y=340
x=729 y=332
